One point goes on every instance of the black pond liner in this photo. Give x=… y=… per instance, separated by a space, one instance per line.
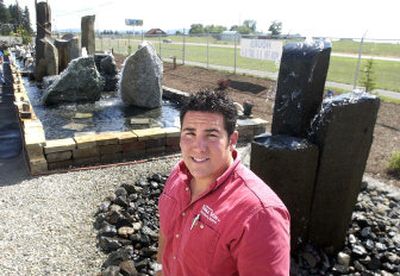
x=109 y=114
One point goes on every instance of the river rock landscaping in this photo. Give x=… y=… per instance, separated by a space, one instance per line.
x=127 y=223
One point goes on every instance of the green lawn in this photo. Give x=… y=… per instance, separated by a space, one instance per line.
x=341 y=69
x=371 y=49
x=386 y=73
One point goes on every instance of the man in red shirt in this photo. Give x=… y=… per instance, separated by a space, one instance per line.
x=216 y=216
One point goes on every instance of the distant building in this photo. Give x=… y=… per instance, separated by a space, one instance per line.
x=155 y=32
x=228 y=35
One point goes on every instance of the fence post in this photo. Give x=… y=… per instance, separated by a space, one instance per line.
x=234 y=52
x=207 y=50
x=358 y=61
x=118 y=50
x=183 y=48
x=159 y=45
x=129 y=44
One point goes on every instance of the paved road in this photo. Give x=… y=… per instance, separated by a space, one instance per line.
x=274 y=76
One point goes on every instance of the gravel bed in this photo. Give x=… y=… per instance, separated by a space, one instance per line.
x=47 y=222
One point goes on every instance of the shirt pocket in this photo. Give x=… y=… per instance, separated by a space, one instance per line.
x=200 y=247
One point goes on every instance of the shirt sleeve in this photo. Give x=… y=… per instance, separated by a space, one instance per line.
x=264 y=245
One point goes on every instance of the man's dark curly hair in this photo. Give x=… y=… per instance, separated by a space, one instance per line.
x=214 y=102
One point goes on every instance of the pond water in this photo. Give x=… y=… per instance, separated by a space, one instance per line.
x=107 y=114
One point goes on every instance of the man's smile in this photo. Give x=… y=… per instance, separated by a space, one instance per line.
x=200 y=160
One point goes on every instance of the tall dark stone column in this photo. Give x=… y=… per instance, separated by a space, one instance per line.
x=343 y=131
x=288 y=165
x=88 y=37
x=301 y=82
x=43 y=30
x=67 y=51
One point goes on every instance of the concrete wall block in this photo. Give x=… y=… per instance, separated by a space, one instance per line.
x=34 y=151
x=246 y=133
x=260 y=130
x=251 y=122
x=59 y=156
x=38 y=166
x=136 y=146
x=32 y=123
x=106 y=138
x=149 y=133
x=110 y=149
x=155 y=143
x=245 y=130
x=134 y=155
x=127 y=137
x=93 y=160
x=66 y=164
x=111 y=157
x=156 y=150
x=34 y=135
x=85 y=141
x=172 y=141
x=172 y=132
x=85 y=153
x=172 y=149
x=59 y=145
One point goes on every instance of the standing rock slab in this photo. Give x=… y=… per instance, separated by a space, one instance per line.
x=43 y=28
x=67 y=51
x=80 y=82
x=301 y=82
x=48 y=65
x=288 y=165
x=88 y=38
x=141 y=81
x=343 y=131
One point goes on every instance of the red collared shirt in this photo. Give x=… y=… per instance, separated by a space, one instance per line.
x=239 y=226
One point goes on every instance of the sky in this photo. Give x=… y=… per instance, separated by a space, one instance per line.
x=334 y=18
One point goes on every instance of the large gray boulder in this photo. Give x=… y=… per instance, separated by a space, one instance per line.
x=107 y=68
x=141 y=80
x=79 y=82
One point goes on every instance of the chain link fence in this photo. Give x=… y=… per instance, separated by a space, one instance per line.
x=222 y=52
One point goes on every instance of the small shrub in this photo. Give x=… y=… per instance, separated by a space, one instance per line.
x=129 y=50
x=368 y=76
x=394 y=165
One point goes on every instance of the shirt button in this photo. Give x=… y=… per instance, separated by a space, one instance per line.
x=187 y=189
x=177 y=236
x=201 y=226
x=183 y=214
x=174 y=257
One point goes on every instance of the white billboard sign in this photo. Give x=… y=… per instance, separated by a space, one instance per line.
x=134 y=22
x=264 y=49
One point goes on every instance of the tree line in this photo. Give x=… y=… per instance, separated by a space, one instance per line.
x=248 y=27
x=15 y=21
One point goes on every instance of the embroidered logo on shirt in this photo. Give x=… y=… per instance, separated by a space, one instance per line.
x=209 y=214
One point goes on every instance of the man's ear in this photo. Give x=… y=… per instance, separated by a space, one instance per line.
x=233 y=139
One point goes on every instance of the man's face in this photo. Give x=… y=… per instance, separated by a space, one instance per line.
x=206 y=148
